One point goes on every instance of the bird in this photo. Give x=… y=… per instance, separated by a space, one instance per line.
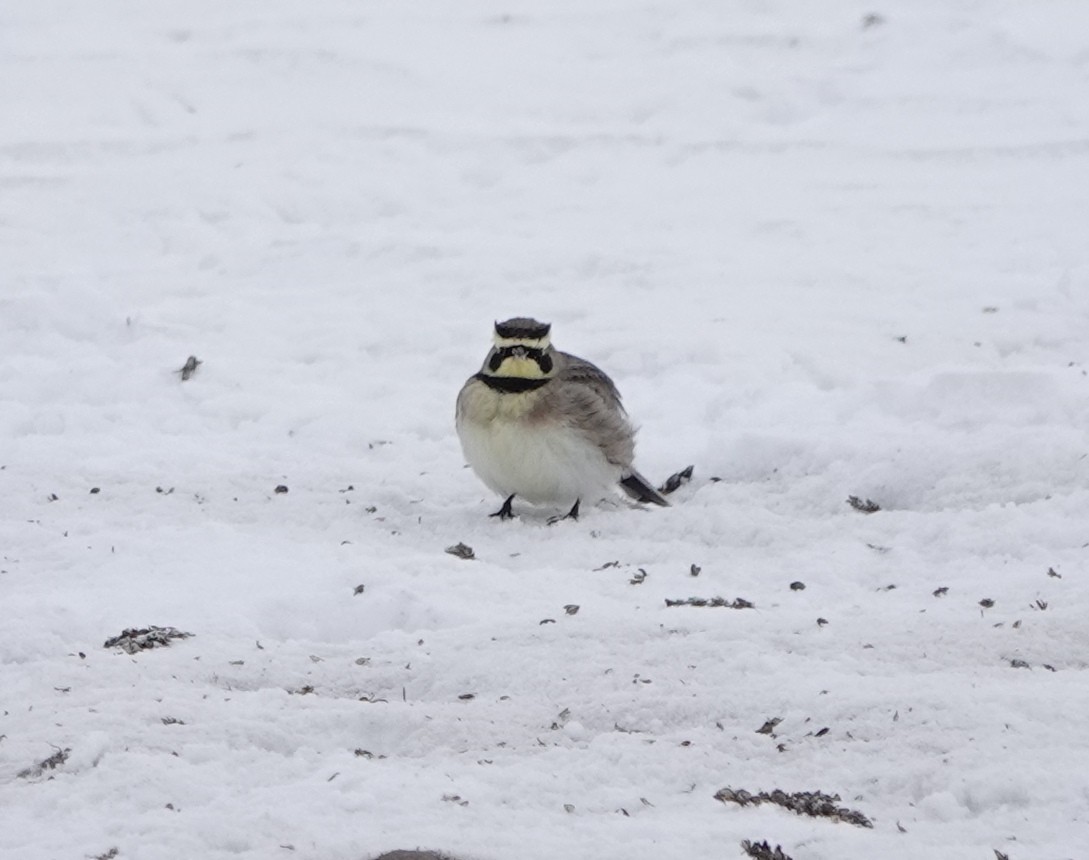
x=546 y=426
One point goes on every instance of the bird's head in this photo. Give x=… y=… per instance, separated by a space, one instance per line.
x=522 y=350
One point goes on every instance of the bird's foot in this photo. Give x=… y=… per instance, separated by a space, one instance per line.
x=572 y=514
x=505 y=512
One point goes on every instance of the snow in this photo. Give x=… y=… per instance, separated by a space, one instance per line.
x=822 y=254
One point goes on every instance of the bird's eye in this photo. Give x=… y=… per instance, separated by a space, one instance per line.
x=545 y=363
x=495 y=361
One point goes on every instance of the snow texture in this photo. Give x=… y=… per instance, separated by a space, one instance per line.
x=825 y=250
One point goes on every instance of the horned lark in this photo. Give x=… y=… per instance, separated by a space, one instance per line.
x=546 y=426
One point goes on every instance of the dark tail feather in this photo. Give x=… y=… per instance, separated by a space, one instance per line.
x=636 y=486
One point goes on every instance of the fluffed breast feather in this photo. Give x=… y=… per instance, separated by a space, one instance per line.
x=479 y=403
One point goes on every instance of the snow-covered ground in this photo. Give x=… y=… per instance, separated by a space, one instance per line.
x=826 y=250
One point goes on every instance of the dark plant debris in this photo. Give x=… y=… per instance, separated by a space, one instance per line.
x=769 y=726
x=413 y=855
x=763 y=851
x=638 y=578
x=736 y=603
x=863 y=507
x=135 y=639
x=461 y=550
x=797 y=585
x=999 y=855
x=694 y=570
x=1054 y=573
x=571 y=609
x=189 y=368
x=941 y=592
x=676 y=480
x=280 y=489
x=815 y=804
x=986 y=603
x=52 y=763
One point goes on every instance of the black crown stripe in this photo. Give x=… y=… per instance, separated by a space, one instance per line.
x=520 y=328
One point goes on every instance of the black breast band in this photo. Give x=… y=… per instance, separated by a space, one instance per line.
x=510 y=384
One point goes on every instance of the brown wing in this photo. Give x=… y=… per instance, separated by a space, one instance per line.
x=588 y=400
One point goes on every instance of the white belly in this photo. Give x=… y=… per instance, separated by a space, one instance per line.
x=542 y=464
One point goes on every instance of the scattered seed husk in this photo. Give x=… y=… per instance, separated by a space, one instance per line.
x=676 y=480
x=133 y=639
x=461 y=550
x=736 y=603
x=189 y=368
x=763 y=851
x=815 y=804
x=51 y=763
x=867 y=506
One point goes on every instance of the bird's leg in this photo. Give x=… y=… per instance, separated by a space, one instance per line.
x=572 y=514
x=505 y=513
